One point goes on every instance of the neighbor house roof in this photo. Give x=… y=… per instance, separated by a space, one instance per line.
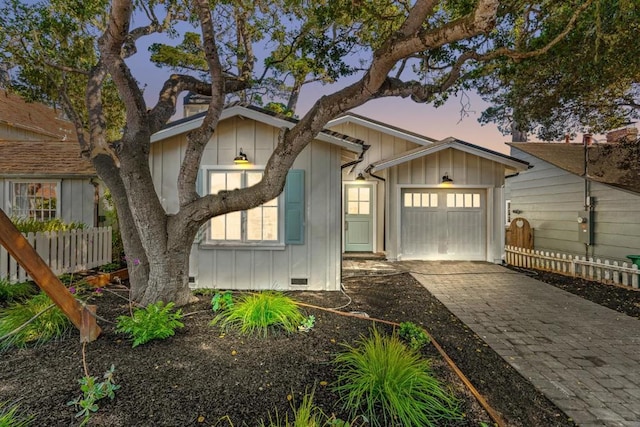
x=444 y=144
x=34 y=117
x=259 y=114
x=42 y=159
x=616 y=164
x=382 y=127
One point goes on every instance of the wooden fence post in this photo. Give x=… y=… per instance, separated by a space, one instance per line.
x=33 y=264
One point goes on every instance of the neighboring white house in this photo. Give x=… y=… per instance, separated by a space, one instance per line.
x=422 y=198
x=292 y=242
x=596 y=214
x=41 y=173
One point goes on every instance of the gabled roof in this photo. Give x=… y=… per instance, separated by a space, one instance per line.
x=49 y=159
x=261 y=115
x=34 y=117
x=615 y=164
x=382 y=127
x=456 y=144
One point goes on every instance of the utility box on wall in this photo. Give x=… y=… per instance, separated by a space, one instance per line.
x=585 y=227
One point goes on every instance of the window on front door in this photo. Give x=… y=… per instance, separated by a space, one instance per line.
x=257 y=225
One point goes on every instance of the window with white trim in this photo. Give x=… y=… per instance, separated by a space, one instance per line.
x=420 y=200
x=463 y=200
x=257 y=225
x=34 y=199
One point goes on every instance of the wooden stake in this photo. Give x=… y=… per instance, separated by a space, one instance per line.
x=20 y=249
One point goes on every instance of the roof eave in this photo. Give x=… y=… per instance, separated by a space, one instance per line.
x=348 y=118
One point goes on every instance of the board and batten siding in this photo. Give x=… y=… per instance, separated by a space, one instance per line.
x=550 y=199
x=381 y=146
x=318 y=260
x=76 y=201
x=467 y=171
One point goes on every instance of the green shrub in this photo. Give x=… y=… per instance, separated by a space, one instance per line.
x=15 y=291
x=92 y=391
x=390 y=384
x=19 y=317
x=9 y=416
x=32 y=225
x=221 y=300
x=261 y=312
x=413 y=335
x=155 y=321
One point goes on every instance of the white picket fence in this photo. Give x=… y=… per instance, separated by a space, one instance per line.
x=601 y=271
x=64 y=251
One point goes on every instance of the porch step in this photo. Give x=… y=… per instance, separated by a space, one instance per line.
x=364 y=256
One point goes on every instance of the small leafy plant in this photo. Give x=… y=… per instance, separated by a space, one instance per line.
x=413 y=335
x=391 y=384
x=10 y=417
x=308 y=324
x=261 y=312
x=34 y=321
x=221 y=300
x=92 y=392
x=155 y=321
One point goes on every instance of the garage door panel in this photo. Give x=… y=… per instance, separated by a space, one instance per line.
x=421 y=231
x=465 y=234
x=443 y=224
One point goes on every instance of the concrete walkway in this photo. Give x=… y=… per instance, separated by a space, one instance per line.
x=584 y=357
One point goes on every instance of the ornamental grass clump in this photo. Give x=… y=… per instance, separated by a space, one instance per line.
x=155 y=321
x=10 y=416
x=390 y=384
x=34 y=321
x=10 y=292
x=260 y=313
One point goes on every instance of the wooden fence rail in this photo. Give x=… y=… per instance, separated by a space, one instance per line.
x=64 y=251
x=601 y=271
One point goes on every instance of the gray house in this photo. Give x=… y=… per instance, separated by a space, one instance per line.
x=291 y=242
x=580 y=199
x=41 y=173
x=413 y=197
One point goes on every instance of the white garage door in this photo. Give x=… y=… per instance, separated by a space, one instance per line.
x=443 y=224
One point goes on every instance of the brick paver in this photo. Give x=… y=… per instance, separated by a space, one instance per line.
x=584 y=357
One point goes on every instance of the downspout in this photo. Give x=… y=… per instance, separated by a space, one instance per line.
x=96 y=202
x=367 y=170
x=586 y=141
x=365 y=147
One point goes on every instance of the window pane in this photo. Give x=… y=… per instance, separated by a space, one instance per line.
x=234 y=224
x=407 y=200
x=270 y=224
x=468 y=200
x=352 y=193
x=364 y=194
x=434 y=200
x=416 y=199
x=254 y=224
x=425 y=200
x=234 y=180
x=476 y=200
x=253 y=178
x=364 y=208
x=352 y=208
x=217 y=182
x=272 y=202
x=459 y=200
x=451 y=200
x=218 y=228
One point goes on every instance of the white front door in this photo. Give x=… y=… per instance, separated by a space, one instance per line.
x=443 y=224
x=358 y=219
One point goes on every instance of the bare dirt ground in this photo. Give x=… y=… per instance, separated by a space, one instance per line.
x=203 y=376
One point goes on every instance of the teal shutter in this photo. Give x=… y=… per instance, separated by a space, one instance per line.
x=294 y=214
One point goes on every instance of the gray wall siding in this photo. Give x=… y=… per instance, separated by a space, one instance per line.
x=550 y=199
x=317 y=260
x=76 y=199
x=467 y=171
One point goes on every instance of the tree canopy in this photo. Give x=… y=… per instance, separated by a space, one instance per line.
x=588 y=83
x=76 y=53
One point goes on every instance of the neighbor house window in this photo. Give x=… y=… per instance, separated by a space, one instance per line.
x=257 y=225
x=36 y=200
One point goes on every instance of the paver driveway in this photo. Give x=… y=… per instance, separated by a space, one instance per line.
x=584 y=357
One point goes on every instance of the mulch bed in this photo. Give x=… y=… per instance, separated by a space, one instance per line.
x=203 y=376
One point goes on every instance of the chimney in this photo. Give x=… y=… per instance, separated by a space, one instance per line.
x=621 y=135
x=587 y=139
x=567 y=138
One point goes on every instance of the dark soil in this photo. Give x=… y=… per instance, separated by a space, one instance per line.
x=203 y=376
